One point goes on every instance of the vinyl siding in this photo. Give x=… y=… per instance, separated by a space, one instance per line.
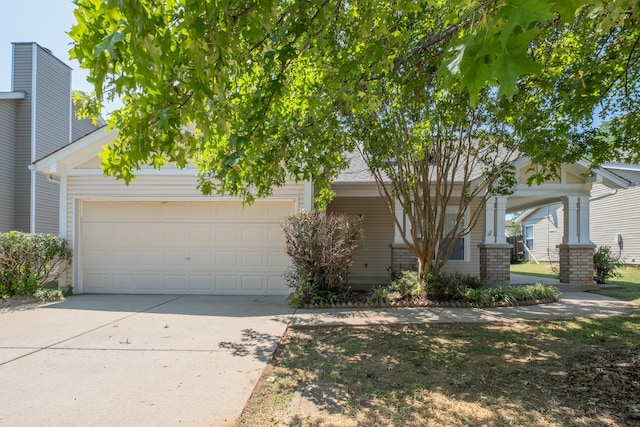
x=7 y=163
x=159 y=187
x=374 y=256
x=548 y=227
x=22 y=81
x=53 y=113
x=615 y=213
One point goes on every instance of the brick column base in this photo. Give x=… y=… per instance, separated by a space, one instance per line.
x=576 y=264
x=402 y=258
x=495 y=261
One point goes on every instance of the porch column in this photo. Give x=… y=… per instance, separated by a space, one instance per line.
x=402 y=256
x=495 y=252
x=576 y=250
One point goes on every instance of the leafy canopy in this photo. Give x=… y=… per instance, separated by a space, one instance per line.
x=254 y=93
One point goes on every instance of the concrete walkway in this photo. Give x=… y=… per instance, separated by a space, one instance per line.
x=572 y=305
x=156 y=360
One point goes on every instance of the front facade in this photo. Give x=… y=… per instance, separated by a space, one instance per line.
x=613 y=220
x=36 y=118
x=160 y=235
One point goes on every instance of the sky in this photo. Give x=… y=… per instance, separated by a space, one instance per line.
x=45 y=22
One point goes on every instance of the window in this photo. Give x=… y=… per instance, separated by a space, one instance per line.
x=528 y=236
x=458 y=253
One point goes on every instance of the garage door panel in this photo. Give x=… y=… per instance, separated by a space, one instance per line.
x=252 y=259
x=226 y=259
x=183 y=247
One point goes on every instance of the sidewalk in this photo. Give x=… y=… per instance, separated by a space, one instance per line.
x=571 y=305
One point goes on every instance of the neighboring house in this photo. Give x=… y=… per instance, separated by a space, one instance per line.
x=614 y=220
x=36 y=118
x=160 y=235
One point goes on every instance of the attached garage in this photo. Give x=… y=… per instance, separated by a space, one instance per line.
x=175 y=247
x=161 y=235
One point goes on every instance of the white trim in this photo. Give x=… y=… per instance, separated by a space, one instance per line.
x=13 y=95
x=75 y=147
x=70 y=108
x=34 y=72
x=615 y=179
x=308 y=196
x=466 y=238
x=625 y=167
x=141 y=172
x=62 y=207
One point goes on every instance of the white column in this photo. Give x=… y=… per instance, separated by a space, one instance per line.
x=490 y=221
x=399 y=214
x=570 y=205
x=501 y=211
x=583 y=220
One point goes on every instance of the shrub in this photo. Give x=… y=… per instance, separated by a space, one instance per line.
x=409 y=285
x=30 y=261
x=605 y=264
x=510 y=294
x=321 y=247
x=447 y=286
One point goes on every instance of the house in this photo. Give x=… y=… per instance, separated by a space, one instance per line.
x=614 y=220
x=161 y=235
x=36 y=118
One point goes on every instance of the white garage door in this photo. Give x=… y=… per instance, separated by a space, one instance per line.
x=184 y=247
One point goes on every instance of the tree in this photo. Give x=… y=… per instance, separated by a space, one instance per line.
x=257 y=93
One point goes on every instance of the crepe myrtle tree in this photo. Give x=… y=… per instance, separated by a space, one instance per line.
x=251 y=92
x=437 y=157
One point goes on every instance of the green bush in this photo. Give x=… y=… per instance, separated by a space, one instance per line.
x=321 y=247
x=511 y=295
x=447 y=286
x=29 y=262
x=409 y=285
x=605 y=264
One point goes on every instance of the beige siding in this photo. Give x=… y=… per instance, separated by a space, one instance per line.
x=548 y=226
x=614 y=213
x=374 y=257
x=7 y=163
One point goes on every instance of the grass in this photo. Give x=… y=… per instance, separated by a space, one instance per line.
x=561 y=373
x=628 y=282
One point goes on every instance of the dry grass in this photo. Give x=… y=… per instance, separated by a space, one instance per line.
x=526 y=374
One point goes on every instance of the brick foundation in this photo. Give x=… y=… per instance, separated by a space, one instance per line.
x=576 y=264
x=495 y=260
x=402 y=258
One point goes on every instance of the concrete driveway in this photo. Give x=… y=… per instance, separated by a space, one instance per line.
x=116 y=360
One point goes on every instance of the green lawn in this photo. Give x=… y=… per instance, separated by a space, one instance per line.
x=629 y=280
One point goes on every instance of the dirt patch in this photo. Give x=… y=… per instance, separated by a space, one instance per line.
x=542 y=374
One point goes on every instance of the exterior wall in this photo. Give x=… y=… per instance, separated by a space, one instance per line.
x=616 y=213
x=42 y=125
x=7 y=163
x=611 y=212
x=22 y=81
x=374 y=257
x=548 y=227
x=52 y=126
